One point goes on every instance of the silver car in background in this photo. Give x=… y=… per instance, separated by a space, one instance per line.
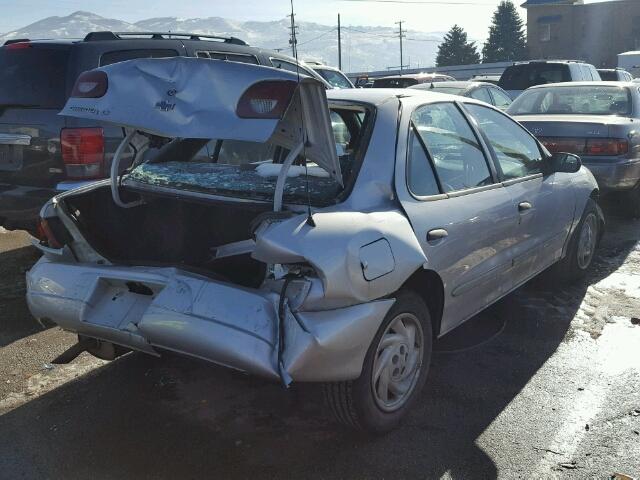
x=483 y=91
x=288 y=253
x=599 y=121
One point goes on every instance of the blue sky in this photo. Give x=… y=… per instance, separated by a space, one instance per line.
x=474 y=17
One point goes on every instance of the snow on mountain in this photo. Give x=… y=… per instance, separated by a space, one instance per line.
x=363 y=48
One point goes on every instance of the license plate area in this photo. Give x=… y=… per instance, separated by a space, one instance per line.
x=119 y=303
x=11 y=157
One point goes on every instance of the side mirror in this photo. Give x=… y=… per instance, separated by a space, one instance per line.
x=565 y=162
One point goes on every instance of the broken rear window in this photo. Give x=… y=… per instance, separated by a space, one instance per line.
x=249 y=170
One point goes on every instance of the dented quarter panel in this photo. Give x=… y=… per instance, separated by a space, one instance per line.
x=333 y=246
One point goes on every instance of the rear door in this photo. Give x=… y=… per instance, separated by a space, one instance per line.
x=33 y=86
x=544 y=202
x=463 y=218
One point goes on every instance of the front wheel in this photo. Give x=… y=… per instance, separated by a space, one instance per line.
x=632 y=202
x=394 y=371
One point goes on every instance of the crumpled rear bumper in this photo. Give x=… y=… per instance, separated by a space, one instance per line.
x=148 y=309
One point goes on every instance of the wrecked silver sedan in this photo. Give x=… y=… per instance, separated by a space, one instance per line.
x=259 y=225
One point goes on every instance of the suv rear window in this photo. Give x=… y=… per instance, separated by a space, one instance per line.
x=122 y=55
x=521 y=77
x=33 y=76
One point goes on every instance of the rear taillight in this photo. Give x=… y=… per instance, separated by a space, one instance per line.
x=267 y=99
x=567 y=145
x=92 y=84
x=46 y=235
x=607 y=146
x=587 y=146
x=83 y=152
x=17 y=46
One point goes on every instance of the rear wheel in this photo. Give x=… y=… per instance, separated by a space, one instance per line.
x=582 y=246
x=394 y=370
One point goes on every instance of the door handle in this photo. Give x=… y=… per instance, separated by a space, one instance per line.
x=524 y=206
x=436 y=235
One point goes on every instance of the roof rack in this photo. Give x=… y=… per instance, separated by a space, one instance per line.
x=107 y=35
x=16 y=40
x=548 y=60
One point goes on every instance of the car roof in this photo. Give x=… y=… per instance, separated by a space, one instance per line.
x=584 y=84
x=377 y=96
x=452 y=84
x=413 y=75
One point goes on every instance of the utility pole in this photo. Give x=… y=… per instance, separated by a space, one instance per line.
x=339 y=45
x=401 y=35
x=293 y=40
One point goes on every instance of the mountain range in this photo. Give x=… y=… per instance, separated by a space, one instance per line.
x=364 y=48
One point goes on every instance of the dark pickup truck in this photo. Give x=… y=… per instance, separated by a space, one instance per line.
x=43 y=153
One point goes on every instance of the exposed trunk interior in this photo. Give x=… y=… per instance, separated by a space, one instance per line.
x=169 y=232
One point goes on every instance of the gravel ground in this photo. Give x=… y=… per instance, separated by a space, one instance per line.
x=545 y=384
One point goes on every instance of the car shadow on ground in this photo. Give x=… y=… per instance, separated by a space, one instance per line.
x=180 y=418
x=16 y=320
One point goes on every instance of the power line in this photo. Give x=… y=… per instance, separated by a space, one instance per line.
x=368 y=33
x=319 y=36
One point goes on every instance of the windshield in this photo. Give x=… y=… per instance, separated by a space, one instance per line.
x=335 y=78
x=249 y=170
x=33 y=76
x=521 y=77
x=578 y=100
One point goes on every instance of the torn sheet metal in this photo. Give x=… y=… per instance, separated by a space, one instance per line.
x=183 y=97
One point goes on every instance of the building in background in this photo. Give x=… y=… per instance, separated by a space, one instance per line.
x=593 y=32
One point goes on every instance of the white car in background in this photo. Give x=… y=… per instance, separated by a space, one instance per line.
x=331 y=75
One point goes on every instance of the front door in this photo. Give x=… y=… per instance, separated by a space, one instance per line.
x=463 y=218
x=544 y=201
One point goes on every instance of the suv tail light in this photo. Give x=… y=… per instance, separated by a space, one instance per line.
x=83 y=152
x=92 y=84
x=268 y=99
x=17 y=46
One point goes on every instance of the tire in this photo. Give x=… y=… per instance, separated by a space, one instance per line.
x=579 y=258
x=632 y=202
x=358 y=403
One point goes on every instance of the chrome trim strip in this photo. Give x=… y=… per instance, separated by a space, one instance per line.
x=14 y=139
x=513 y=181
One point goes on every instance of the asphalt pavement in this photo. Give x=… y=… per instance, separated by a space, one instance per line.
x=545 y=384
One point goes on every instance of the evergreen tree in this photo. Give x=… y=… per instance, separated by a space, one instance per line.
x=456 y=50
x=507 y=40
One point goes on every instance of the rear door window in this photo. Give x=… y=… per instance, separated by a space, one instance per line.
x=109 y=58
x=481 y=94
x=500 y=99
x=521 y=77
x=456 y=154
x=33 y=76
